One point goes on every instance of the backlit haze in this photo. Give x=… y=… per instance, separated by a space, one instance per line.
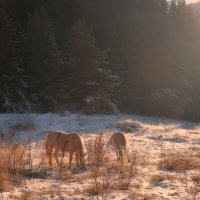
x=191 y=1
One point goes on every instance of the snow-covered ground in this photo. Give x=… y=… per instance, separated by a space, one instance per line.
x=150 y=140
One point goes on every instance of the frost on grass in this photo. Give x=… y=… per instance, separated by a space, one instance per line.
x=165 y=158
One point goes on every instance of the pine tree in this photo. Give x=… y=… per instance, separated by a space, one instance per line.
x=89 y=74
x=164 y=5
x=41 y=60
x=12 y=84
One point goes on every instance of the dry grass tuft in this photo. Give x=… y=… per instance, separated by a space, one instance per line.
x=178 y=161
x=157 y=178
x=11 y=165
x=192 y=186
x=106 y=174
x=97 y=150
x=15 y=162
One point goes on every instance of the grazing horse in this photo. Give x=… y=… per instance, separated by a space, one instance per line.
x=57 y=141
x=118 y=141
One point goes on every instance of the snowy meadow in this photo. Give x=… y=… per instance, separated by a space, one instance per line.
x=165 y=158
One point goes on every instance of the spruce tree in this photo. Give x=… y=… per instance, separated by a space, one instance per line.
x=41 y=60
x=89 y=75
x=12 y=84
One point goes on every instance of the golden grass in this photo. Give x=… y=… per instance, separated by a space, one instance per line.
x=11 y=165
x=103 y=172
x=178 y=161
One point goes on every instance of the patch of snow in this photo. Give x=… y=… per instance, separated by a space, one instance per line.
x=145 y=144
x=165 y=92
x=91 y=98
x=91 y=83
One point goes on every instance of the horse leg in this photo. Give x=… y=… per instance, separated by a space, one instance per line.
x=128 y=155
x=49 y=154
x=77 y=159
x=82 y=161
x=56 y=157
x=120 y=155
x=118 y=152
x=70 y=158
x=61 y=160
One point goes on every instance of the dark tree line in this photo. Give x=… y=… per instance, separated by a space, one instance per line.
x=139 y=56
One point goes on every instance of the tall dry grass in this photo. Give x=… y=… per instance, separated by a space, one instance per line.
x=172 y=160
x=15 y=160
x=106 y=173
x=12 y=165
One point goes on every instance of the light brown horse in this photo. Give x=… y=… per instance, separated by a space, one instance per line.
x=57 y=141
x=118 y=141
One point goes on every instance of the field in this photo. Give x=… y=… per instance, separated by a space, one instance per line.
x=165 y=158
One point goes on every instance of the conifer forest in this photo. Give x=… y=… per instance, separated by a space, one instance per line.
x=135 y=56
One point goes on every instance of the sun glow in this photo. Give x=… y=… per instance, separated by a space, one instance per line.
x=192 y=1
